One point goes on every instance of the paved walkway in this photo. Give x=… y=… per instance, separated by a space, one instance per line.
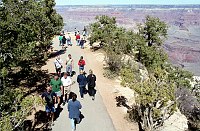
x=95 y=113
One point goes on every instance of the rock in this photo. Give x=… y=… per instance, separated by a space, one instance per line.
x=115 y=90
x=177 y=122
x=190 y=107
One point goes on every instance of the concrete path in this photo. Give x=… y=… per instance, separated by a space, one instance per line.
x=95 y=113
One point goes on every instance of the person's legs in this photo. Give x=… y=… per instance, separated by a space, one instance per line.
x=93 y=93
x=68 y=68
x=52 y=117
x=68 y=42
x=81 y=89
x=64 y=95
x=89 y=91
x=82 y=46
x=58 y=97
x=81 y=68
x=78 y=42
x=67 y=91
x=72 y=123
x=48 y=112
x=53 y=110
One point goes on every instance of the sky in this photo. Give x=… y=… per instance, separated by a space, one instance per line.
x=117 y=2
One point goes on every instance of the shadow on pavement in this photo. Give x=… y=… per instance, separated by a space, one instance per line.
x=122 y=101
x=57 y=113
x=40 y=123
x=57 y=53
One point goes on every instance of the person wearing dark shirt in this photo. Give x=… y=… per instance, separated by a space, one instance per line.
x=64 y=40
x=82 y=42
x=91 y=81
x=82 y=81
x=84 y=33
x=50 y=98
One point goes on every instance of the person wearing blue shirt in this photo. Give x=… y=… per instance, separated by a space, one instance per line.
x=82 y=80
x=74 y=107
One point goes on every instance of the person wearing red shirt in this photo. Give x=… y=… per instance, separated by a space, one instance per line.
x=81 y=63
x=78 y=37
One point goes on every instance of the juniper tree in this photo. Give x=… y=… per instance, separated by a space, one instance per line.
x=26 y=29
x=154 y=31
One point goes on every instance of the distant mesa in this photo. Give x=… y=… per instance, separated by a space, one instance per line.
x=183 y=43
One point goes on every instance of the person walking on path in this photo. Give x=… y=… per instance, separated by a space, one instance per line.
x=74 y=107
x=57 y=87
x=82 y=42
x=84 y=33
x=82 y=81
x=63 y=41
x=81 y=63
x=78 y=38
x=69 y=64
x=50 y=98
x=75 y=31
x=91 y=81
x=58 y=65
x=60 y=39
x=67 y=82
x=69 y=42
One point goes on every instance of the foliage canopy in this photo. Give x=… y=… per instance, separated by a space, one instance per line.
x=155 y=95
x=26 y=30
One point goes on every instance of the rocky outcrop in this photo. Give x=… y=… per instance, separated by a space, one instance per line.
x=190 y=107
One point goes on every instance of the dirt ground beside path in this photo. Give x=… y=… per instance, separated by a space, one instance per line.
x=107 y=89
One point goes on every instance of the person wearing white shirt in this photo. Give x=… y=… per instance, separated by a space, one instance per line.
x=58 y=65
x=67 y=82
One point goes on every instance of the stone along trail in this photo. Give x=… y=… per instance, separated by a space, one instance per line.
x=95 y=112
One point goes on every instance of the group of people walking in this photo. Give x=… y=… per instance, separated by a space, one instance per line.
x=65 y=40
x=59 y=89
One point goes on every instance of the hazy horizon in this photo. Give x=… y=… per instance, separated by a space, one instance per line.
x=134 y=4
x=127 y=2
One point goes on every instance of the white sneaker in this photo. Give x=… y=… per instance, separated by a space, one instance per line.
x=56 y=105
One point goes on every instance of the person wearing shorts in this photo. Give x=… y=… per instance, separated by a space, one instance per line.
x=67 y=82
x=50 y=98
x=57 y=87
